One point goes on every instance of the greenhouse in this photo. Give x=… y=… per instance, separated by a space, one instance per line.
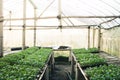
x=59 y=40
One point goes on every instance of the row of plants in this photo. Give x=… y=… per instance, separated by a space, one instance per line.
x=24 y=65
x=104 y=72
x=86 y=59
x=84 y=50
x=90 y=60
x=16 y=57
x=95 y=66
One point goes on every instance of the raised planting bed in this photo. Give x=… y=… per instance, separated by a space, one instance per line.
x=86 y=59
x=38 y=59
x=90 y=60
x=16 y=57
x=110 y=72
x=18 y=72
x=24 y=65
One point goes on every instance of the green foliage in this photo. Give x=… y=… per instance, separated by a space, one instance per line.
x=89 y=60
x=16 y=57
x=38 y=59
x=79 y=51
x=2 y=64
x=93 y=50
x=86 y=59
x=110 y=72
x=83 y=50
x=30 y=50
x=18 y=72
x=23 y=65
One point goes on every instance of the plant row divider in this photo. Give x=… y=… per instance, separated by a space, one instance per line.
x=80 y=69
x=77 y=68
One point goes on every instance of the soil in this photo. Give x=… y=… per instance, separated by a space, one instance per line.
x=61 y=71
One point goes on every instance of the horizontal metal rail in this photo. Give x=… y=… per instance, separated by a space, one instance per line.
x=52 y=17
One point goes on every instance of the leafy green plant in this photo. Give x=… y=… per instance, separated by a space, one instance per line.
x=16 y=57
x=83 y=50
x=79 y=51
x=38 y=59
x=23 y=65
x=110 y=72
x=89 y=60
x=93 y=50
x=18 y=72
x=30 y=50
x=2 y=64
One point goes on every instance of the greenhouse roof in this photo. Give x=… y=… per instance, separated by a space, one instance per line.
x=105 y=13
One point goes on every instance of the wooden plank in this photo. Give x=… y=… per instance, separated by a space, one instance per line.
x=80 y=73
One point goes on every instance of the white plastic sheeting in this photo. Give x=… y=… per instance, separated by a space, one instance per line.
x=69 y=8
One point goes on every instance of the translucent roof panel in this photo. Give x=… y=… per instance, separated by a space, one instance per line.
x=68 y=8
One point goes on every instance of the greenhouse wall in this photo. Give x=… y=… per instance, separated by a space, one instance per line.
x=75 y=38
x=111 y=41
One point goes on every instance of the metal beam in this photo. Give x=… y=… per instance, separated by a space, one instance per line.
x=107 y=21
x=10 y=14
x=88 y=36
x=32 y=18
x=90 y=16
x=59 y=15
x=1 y=29
x=52 y=17
x=50 y=26
x=99 y=38
x=24 y=26
x=94 y=32
x=35 y=22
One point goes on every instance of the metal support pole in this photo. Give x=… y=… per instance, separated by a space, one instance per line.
x=99 y=37
x=1 y=29
x=35 y=20
x=59 y=14
x=93 y=37
x=35 y=26
x=24 y=26
x=10 y=20
x=88 y=36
